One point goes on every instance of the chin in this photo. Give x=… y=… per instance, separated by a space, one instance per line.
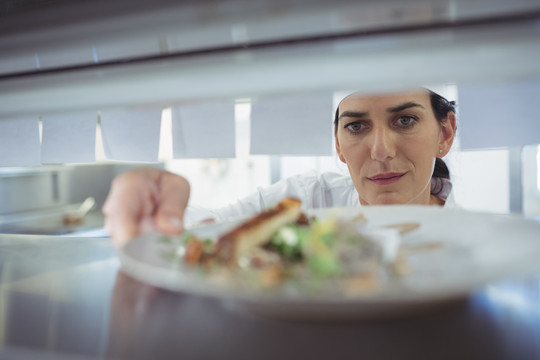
x=388 y=199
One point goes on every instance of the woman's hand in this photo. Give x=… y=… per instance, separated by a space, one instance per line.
x=144 y=199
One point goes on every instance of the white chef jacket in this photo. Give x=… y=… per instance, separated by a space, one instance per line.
x=315 y=190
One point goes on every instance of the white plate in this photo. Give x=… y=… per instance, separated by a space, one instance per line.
x=478 y=248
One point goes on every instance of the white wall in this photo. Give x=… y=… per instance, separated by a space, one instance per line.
x=531 y=181
x=481 y=180
x=218 y=182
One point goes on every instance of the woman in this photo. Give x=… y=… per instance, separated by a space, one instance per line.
x=392 y=145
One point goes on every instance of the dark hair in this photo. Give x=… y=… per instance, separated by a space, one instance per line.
x=440 y=107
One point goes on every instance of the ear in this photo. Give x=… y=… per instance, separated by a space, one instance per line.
x=338 y=149
x=448 y=131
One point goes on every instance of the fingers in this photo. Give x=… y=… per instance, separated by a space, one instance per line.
x=121 y=229
x=130 y=200
x=145 y=199
x=172 y=201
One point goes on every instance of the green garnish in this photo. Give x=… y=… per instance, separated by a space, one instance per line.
x=188 y=237
x=322 y=260
x=314 y=244
x=288 y=240
x=324 y=264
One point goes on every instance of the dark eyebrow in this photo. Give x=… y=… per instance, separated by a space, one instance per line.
x=404 y=106
x=353 y=114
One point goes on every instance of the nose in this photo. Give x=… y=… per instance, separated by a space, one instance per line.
x=382 y=144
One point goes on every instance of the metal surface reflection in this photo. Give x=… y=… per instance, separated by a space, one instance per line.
x=146 y=320
x=66 y=298
x=52 y=293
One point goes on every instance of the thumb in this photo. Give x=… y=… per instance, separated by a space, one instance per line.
x=173 y=199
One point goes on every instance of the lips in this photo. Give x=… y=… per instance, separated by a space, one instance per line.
x=386 y=178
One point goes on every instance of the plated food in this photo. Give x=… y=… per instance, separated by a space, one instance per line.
x=282 y=249
x=447 y=254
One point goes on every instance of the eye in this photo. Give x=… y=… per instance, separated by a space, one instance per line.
x=355 y=127
x=405 y=122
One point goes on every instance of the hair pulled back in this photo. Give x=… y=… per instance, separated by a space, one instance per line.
x=441 y=107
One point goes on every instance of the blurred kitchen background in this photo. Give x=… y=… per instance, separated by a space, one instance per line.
x=70 y=69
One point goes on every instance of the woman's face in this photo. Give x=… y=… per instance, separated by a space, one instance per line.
x=389 y=143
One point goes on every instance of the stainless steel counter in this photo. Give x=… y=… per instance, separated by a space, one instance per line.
x=52 y=223
x=65 y=298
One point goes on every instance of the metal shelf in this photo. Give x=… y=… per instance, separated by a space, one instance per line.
x=225 y=49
